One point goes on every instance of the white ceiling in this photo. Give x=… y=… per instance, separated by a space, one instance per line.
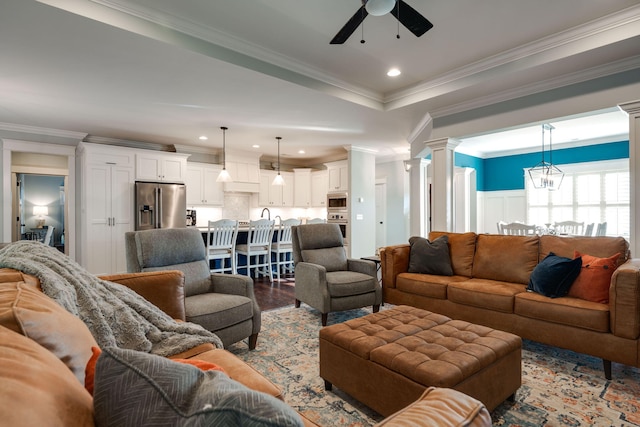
x=166 y=72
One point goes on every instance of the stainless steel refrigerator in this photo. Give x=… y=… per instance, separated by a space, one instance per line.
x=160 y=205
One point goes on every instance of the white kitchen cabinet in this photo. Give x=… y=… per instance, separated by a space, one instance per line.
x=319 y=188
x=244 y=171
x=155 y=166
x=338 y=176
x=302 y=188
x=106 y=182
x=275 y=195
x=202 y=188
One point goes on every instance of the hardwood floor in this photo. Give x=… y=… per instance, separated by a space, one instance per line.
x=274 y=295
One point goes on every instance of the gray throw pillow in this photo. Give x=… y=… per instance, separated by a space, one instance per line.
x=133 y=388
x=430 y=257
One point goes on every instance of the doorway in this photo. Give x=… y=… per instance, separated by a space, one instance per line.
x=39 y=207
x=381 y=214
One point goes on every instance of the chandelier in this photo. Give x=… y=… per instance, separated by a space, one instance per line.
x=545 y=174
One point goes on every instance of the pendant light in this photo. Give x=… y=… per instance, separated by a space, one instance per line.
x=278 y=180
x=546 y=175
x=224 y=175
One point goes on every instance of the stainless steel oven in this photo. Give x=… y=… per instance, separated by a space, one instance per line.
x=337 y=202
x=342 y=219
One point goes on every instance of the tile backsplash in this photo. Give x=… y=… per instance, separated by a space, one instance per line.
x=236 y=206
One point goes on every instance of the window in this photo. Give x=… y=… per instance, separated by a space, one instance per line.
x=590 y=193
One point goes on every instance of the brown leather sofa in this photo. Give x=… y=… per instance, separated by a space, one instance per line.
x=38 y=338
x=488 y=287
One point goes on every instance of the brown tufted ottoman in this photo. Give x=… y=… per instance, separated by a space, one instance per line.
x=386 y=360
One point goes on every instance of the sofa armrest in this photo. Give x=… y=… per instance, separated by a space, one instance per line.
x=232 y=284
x=394 y=260
x=441 y=407
x=362 y=266
x=164 y=289
x=624 y=300
x=314 y=291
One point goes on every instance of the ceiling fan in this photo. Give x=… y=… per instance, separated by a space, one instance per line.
x=408 y=16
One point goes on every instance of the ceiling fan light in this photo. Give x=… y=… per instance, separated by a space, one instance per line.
x=379 y=7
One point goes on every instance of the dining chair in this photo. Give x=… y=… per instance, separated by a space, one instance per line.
x=48 y=236
x=573 y=228
x=499 y=224
x=588 y=230
x=518 y=229
x=221 y=245
x=257 y=250
x=282 y=247
x=602 y=229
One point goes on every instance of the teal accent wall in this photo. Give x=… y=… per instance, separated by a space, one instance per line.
x=506 y=173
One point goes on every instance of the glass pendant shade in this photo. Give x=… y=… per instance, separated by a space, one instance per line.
x=379 y=7
x=278 y=180
x=224 y=174
x=546 y=174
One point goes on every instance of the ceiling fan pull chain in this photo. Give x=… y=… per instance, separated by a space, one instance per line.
x=362 y=26
x=398 y=19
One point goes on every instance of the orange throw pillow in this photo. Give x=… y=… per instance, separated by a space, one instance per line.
x=90 y=370
x=594 y=279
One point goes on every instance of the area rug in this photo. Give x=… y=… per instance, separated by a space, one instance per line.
x=559 y=387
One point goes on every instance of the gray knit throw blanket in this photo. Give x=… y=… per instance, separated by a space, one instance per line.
x=116 y=315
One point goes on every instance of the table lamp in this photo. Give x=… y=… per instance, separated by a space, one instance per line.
x=40 y=212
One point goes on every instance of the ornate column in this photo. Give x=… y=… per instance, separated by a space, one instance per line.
x=442 y=151
x=633 y=109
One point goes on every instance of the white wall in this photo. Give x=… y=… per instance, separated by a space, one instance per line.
x=508 y=206
x=362 y=189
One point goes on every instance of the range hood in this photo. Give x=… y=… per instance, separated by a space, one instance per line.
x=242 y=187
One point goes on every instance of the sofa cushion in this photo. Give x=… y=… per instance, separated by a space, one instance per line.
x=36 y=388
x=27 y=311
x=483 y=293
x=439 y=407
x=554 y=275
x=215 y=311
x=428 y=285
x=594 y=279
x=134 y=388
x=505 y=258
x=430 y=257
x=462 y=248
x=602 y=246
x=238 y=370
x=572 y=312
x=350 y=283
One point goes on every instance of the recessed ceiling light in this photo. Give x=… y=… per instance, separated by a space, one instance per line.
x=394 y=72
x=203 y=138
x=255 y=146
x=300 y=151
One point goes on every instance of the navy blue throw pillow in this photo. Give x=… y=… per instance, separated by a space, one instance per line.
x=554 y=275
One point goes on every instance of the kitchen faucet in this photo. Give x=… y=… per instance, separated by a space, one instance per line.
x=268 y=213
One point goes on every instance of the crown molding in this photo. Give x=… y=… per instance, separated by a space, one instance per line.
x=541 y=86
x=614 y=27
x=47 y=132
x=130 y=144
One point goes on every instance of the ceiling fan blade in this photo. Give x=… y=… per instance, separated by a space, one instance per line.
x=350 y=26
x=411 y=18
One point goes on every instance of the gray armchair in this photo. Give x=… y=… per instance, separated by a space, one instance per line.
x=325 y=278
x=221 y=303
